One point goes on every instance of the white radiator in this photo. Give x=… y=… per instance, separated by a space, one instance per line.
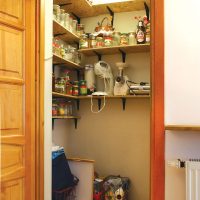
x=193 y=180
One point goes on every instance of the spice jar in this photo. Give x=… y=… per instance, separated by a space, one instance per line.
x=62 y=16
x=116 y=38
x=80 y=29
x=100 y=42
x=124 y=39
x=132 y=38
x=66 y=20
x=54 y=109
x=75 y=89
x=108 y=41
x=74 y=26
x=83 y=87
x=83 y=44
x=61 y=109
x=56 y=12
x=92 y=41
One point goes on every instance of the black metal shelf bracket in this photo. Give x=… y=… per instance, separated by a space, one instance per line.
x=64 y=4
x=77 y=104
x=53 y=121
x=78 y=74
x=54 y=65
x=99 y=103
x=112 y=14
x=124 y=103
x=77 y=17
x=75 y=123
x=59 y=34
x=123 y=55
x=98 y=55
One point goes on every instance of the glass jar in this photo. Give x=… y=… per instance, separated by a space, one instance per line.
x=62 y=17
x=116 y=38
x=148 y=33
x=92 y=41
x=100 y=42
x=83 y=44
x=69 y=108
x=56 y=46
x=80 y=29
x=132 y=38
x=68 y=88
x=108 y=41
x=72 y=51
x=66 y=21
x=75 y=89
x=61 y=109
x=83 y=87
x=60 y=85
x=70 y=23
x=54 y=109
x=56 y=12
x=124 y=39
x=74 y=26
x=77 y=57
x=68 y=54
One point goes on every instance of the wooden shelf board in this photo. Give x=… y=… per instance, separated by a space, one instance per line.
x=115 y=50
x=116 y=97
x=67 y=63
x=182 y=127
x=81 y=160
x=89 y=11
x=56 y=94
x=63 y=33
x=65 y=117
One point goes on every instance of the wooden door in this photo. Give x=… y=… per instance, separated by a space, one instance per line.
x=17 y=99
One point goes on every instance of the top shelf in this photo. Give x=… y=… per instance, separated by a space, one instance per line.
x=87 y=10
x=116 y=49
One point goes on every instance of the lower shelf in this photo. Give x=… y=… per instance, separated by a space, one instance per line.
x=182 y=127
x=75 y=118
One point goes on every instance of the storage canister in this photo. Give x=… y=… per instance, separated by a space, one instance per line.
x=132 y=38
x=83 y=44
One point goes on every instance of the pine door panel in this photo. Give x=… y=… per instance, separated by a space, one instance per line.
x=11 y=52
x=12 y=11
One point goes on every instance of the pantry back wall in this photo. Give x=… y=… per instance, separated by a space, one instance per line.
x=118 y=141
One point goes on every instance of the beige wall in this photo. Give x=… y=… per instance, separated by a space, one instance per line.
x=119 y=141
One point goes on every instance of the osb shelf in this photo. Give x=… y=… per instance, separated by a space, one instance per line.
x=89 y=11
x=64 y=34
x=65 y=117
x=116 y=97
x=60 y=61
x=182 y=127
x=116 y=49
x=56 y=94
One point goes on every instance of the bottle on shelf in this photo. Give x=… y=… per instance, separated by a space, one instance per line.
x=140 y=34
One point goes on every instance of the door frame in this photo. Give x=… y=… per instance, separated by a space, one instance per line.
x=157 y=101
x=157 y=162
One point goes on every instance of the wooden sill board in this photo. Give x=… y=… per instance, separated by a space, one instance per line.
x=55 y=94
x=59 y=60
x=65 y=117
x=81 y=160
x=116 y=50
x=63 y=33
x=182 y=128
x=87 y=10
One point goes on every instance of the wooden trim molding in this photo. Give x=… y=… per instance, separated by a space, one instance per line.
x=157 y=105
x=182 y=128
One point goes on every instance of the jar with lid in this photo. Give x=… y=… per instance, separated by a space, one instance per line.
x=56 y=12
x=72 y=51
x=83 y=87
x=68 y=88
x=60 y=85
x=54 y=109
x=124 y=39
x=70 y=23
x=77 y=57
x=68 y=54
x=66 y=20
x=108 y=41
x=62 y=17
x=56 y=46
x=148 y=33
x=80 y=29
x=69 y=108
x=100 y=42
x=62 y=50
x=83 y=44
x=75 y=89
x=92 y=41
x=74 y=26
x=132 y=38
x=116 y=38
x=61 y=109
